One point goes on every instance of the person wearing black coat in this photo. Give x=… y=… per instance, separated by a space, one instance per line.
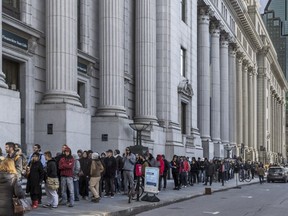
x=9 y=187
x=175 y=172
x=51 y=171
x=34 y=179
x=84 y=175
x=110 y=173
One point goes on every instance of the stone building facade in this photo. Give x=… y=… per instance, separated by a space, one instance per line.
x=201 y=76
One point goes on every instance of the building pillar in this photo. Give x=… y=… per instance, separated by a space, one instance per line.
x=245 y=106
x=84 y=25
x=145 y=74
x=215 y=85
x=224 y=74
x=239 y=99
x=204 y=82
x=112 y=59
x=249 y=124
x=61 y=49
x=255 y=131
x=232 y=96
x=2 y=75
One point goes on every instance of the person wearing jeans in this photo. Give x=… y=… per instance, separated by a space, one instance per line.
x=51 y=171
x=66 y=165
x=129 y=160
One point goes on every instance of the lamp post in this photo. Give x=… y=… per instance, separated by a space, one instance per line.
x=228 y=148
x=139 y=127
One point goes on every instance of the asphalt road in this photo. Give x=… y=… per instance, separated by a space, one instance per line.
x=268 y=199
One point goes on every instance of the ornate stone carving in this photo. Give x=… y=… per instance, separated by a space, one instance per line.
x=185 y=88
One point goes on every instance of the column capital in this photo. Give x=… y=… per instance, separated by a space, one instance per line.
x=214 y=28
x=224 y=40
x=204 y=14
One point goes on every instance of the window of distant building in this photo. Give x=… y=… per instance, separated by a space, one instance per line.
x=276 y=23
x=11 y=7
x=183 y=10
x=182 y=61
x=11 y=70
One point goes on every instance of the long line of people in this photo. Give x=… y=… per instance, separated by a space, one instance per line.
x=75 y=176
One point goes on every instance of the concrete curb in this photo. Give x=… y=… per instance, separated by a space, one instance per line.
x=149 y=206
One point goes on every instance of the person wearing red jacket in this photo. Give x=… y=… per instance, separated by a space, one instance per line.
x=66 y=165
x=161 y=166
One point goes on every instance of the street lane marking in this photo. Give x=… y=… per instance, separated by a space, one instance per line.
x=249 y=197
x=213 y=213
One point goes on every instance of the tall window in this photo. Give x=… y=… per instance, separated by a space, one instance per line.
x=11 y=71
x=183 y=10
x=183 y=117
x=182 y=61
x=11 y=7
x=81 y=92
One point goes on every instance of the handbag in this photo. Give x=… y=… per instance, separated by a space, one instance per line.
x=52 y=183
x=21 y=205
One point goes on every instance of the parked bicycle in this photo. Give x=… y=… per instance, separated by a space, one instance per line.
x=138 y=190
x=245 y=175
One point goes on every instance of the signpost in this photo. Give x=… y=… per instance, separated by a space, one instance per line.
x=151 y=184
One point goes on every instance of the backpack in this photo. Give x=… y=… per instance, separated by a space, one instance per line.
x=24 y=163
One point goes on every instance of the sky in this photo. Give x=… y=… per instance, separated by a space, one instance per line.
x=263 y=4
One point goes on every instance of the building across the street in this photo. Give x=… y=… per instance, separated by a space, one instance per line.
x=195 y=78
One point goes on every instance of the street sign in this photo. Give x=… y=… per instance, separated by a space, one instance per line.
x=151 y=180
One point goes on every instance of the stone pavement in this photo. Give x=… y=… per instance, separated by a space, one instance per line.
x=120 y=206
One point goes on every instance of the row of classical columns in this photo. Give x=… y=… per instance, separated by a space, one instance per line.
x=227 y=90
x=61 y=43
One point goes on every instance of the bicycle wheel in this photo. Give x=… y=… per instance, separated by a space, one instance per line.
x=240 y=175
x=140 y=192
x=248 y=178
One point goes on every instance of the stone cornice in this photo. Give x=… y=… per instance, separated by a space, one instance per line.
x=242 y=13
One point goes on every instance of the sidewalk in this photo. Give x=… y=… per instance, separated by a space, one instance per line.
x=120 y=206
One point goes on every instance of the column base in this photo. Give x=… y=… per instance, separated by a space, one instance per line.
x=58 y=124
x=111 y=133
x=208 y=148
x=10 y=117
x=111 y=111
x=2 y=80
x=218 y=149
x=61 y=98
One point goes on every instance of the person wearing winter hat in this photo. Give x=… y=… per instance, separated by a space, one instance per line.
x=96 y=168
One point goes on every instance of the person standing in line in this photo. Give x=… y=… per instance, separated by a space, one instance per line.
x=175 y=172
x=96 y=168
x=35 y=178
x=129 y=161
x=84 y=176
x=66 y=165
x=9 y=187
x=109 y=176
x=119 y=166
x=51 y=171
x=12 y=154
x=165 y=172
x=76 y=171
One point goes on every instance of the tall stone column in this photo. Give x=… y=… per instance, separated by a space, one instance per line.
x=245 y=106
x=255 y=131
x=224 y=68
x=61 y=49
x=145 y=74
x=2 y=75
x=239 y=99
x=111 y=59
x=204 y=82
x=203 y=75
x=84 y=25
x=250 y=109
x=232 y=95
x=215 y=82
